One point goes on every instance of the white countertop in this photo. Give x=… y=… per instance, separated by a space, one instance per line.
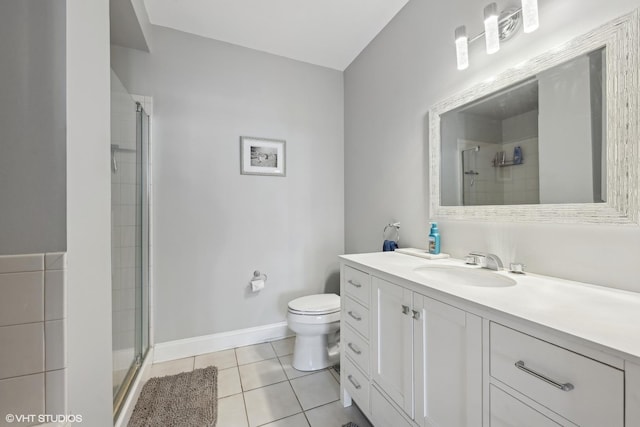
x=604 y=316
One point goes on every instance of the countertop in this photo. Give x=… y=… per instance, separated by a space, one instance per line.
x=604 y=316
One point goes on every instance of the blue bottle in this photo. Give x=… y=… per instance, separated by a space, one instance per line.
x=434 y=239
x=517 y=156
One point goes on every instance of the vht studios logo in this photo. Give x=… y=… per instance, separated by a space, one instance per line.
x=43 y=418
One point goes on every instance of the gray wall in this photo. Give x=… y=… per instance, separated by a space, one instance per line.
x=213 y=226
x=389 y=89
x=32 y=126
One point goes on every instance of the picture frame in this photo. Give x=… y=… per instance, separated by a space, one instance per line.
x=262 y=156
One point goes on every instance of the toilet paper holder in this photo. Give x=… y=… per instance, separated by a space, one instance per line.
x=259 y=276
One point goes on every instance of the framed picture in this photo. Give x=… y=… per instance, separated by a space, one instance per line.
x=261 y=156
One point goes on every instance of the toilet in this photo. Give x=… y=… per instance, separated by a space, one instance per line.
x=316 y=321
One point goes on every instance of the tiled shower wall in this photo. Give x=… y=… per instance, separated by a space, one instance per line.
x=32 y=335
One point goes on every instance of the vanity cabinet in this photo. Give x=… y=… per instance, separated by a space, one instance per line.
x=412 y=355
x=426 y=356
x=577 y=388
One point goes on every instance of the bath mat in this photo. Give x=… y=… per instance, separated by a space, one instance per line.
x=183 y=400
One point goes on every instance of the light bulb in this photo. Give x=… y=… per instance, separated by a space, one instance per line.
x=491 y=31
x=462 y=48
x=530 y=15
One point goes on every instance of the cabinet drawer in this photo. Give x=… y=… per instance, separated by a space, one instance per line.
x=383 y=414
x=357 y=284
x=507 y=411
x=356 y=384
x=593 y=393
x=356 y=348
x=357 y=316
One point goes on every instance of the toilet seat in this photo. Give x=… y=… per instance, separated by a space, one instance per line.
x=315 y=305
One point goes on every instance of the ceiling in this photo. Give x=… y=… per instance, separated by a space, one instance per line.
x=510 y=102
x=330 y=33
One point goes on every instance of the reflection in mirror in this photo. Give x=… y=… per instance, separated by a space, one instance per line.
x=539 y=141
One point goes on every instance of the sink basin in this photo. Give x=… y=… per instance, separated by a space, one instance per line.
x=465 y=276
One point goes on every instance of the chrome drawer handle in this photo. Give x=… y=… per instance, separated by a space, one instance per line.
x=355 y=316
x=416 y=314
x=354 y=382
x=406 y=309
x=353 y=348
x=356 y=284
x=564 y=387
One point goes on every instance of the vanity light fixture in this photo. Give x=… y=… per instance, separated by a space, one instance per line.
x=491 y=30
x=462 y=48
x=530 y=15
x=499 y=27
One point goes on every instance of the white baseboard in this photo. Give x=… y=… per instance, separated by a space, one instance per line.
x=188 y=347
x=134 y=392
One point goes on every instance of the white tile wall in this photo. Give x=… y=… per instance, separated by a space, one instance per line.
x=22 y=298
x=32 y=334
x=22 y=396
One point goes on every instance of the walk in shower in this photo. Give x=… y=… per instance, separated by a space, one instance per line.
x=129 y=238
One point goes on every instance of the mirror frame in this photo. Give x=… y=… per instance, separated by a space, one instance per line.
x=621 y=39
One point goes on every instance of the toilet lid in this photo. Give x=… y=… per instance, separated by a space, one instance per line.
x=317 y=304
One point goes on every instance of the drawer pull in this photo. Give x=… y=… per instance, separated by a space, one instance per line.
x=356 y=284
x=354 y=382
x=355 y=316
x=355 y=349
x=564 y=387
x=406 y=309
x=416 y=315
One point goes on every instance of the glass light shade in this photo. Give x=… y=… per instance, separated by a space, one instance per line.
x=491 y=31
x=530 y=15
x=462 y=48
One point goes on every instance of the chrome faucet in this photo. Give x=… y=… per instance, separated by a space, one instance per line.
x=484 y=260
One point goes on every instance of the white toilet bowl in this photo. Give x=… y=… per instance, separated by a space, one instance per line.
x=314 y=319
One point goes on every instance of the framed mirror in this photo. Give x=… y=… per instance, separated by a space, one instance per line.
x=554 y=140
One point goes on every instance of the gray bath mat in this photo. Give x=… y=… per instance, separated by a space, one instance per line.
x=183 y=400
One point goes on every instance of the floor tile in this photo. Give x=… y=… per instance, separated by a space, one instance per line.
x=231 y=412
x=298 y=420
x=271 y=403
x=284 y=347
x=228 y=382
x=222 y=359
x=172 y=367
x=262 y=373
x=316 y=389
x=334 y=415
x=254 y=353
x=289 y=370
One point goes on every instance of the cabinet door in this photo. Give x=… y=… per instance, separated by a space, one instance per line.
x=448 y=365
x=391 y=342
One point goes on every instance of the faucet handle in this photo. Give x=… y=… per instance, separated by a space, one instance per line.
x=471 y=260
x=516 y=267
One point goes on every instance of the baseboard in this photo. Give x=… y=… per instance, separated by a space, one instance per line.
x=188 y=347
x=134 y=392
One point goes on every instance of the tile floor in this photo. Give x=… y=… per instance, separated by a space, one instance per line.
x=257 y=386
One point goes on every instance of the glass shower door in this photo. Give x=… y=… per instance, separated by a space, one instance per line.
x=129 y=239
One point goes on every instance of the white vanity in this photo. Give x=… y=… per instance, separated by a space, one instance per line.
x=420 y=347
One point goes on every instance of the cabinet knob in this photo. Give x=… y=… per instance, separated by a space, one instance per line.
x=356 y=284
x=355 y=349
x=355 y=316
x=416 y=315
x=406 y=309
x=354 y=382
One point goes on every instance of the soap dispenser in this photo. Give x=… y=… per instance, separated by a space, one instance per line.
x=434 y=239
